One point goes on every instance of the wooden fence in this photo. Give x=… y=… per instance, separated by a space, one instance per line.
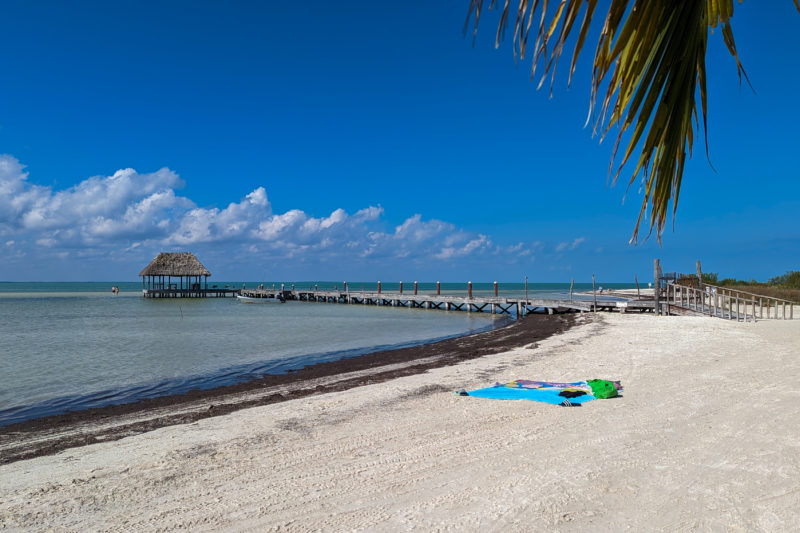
x=726 y=303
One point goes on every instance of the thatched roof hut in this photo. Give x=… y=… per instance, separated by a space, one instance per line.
x=175 y=264
x=168 y=265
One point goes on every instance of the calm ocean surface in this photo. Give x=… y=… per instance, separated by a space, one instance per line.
x=67 y=346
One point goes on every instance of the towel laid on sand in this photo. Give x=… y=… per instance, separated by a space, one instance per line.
x=537 y=391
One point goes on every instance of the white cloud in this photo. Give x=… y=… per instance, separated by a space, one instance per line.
x=130 y=216
x=129 y=212
x=97 y=211
x=98 y=198
x=569 y=246
x=472 y=245
x=235 y=222
x=272 y=228
x=17 y=196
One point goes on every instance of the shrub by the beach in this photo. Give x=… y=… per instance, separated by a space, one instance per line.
x=790 y=280
x=786 y=287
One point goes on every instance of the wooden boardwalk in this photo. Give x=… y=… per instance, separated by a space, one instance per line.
x=518 y=307
x=723 y=302
x=670 y=298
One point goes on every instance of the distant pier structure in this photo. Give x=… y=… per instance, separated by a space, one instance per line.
x=178 y=275
x=518 y=306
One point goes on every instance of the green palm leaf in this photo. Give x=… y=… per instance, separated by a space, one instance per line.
x=650 y=61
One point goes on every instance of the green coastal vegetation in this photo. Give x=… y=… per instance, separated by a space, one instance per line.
x=786 y=286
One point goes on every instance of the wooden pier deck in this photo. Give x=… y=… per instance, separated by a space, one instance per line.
x=518 y=307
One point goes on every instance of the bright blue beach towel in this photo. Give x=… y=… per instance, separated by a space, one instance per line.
x=546 y=395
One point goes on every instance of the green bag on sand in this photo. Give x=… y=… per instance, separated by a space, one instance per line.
x=602 y=388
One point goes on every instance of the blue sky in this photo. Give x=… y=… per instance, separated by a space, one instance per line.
x=361 y=140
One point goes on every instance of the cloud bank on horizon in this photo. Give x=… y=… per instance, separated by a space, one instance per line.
x=135 y=215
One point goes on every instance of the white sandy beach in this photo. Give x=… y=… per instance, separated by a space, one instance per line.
x=706 y=437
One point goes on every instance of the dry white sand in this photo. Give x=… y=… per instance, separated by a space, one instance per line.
x=705 y=438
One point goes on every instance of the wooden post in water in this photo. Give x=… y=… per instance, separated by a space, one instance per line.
x=495 y=289
x=415 y=288
x=438 y=288
x=469 y=289
x=594 y=293
x=657 y=275
x=379 y=287
x=401 y=287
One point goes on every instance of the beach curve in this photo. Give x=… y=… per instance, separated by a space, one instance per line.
x=703 y=438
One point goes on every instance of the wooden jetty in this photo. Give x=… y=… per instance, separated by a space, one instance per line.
x=675 y=298
x=669 y=298
x=518 y=307
x=181 y=275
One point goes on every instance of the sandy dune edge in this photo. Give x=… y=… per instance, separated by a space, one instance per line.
x=706 y=437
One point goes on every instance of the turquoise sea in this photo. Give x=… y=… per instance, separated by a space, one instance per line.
x=68 y=346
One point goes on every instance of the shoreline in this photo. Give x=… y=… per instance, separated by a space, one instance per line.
x=687 y=447
x=52 y=434
x=219 y=380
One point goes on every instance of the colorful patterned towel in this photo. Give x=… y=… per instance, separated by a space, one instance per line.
x=537 y=391
x=527 y=384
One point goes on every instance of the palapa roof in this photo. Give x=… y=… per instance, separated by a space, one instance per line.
x=175 y=264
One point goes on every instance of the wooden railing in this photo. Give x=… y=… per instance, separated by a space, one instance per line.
x=727 y=303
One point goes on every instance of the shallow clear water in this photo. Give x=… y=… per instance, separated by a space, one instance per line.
x=72 y=349
x=66 y=346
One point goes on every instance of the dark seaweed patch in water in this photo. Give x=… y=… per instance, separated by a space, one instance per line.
x=232 y=375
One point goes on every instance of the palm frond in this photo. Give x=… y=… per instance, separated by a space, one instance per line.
x=650 y=58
